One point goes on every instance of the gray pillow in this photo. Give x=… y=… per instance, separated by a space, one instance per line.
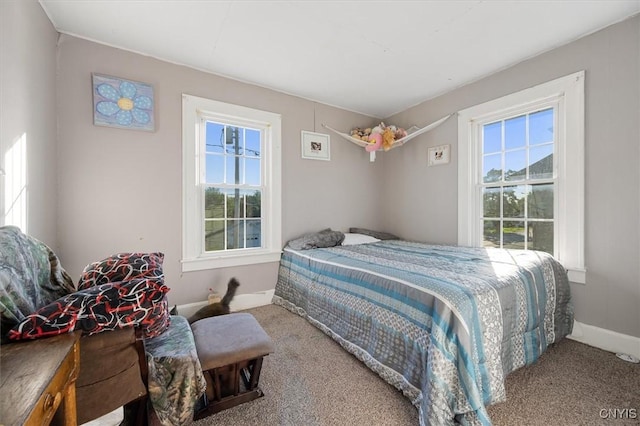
x=375 y=234
x=324 y=238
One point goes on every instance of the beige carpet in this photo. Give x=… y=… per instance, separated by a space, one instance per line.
x=311 y=381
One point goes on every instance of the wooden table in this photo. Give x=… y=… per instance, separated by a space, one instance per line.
x=36 y=378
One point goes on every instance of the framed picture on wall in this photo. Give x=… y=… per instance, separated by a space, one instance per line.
x=439 y=155
x=315 y=146
x=121 y=103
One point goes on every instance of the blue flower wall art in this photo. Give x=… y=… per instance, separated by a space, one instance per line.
x=122 y=103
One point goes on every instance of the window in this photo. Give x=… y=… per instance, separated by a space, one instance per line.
x=521 y=172
x=231 y=185
x=518 y=183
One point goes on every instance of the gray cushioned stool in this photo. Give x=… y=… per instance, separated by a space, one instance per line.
x=230 y=349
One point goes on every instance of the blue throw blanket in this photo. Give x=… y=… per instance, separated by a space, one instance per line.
x=443 y=324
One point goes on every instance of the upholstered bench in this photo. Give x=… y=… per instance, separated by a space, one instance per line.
x=230 y=348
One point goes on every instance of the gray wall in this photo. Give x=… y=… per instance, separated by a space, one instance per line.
x=27 y=106
x=121 y=190
x=422 y=202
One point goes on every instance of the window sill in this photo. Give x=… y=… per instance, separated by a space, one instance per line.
x=217 y=261
x=578 y=276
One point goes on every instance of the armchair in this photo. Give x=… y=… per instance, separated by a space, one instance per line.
x=39 y=299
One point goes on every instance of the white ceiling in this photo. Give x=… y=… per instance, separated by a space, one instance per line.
x=373 y=57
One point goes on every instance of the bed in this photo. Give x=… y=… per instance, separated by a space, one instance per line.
x=442 y=324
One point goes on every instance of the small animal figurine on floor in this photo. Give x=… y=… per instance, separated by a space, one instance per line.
x=218 y=308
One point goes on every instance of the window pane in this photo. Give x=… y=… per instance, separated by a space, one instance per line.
x=491 y=233
x=491 y=202
x=235 y=234
x=234 y=170
x=252 y=141
x=541 y=236
x=234 y=140
x=492 y=168
x=541 y=127
x=492 y=137
x=235 y=204
x=540 y=201
x=213 y=203
x=515 y=131
x=513 y=201
x=254 y=230
x=213 y=235
x=254 y=206
x=513 y=235
x=541 y=162
x=252 y=170
x=215 y=135
x=214 y=168
x=515 y=165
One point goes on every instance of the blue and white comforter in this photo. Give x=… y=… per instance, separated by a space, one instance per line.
x=443 y=324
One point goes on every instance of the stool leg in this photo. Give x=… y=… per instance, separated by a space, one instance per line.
x=235 y=377
x=255 y=373
x=217 y=390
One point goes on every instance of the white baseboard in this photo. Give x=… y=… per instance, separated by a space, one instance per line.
x=239 y=303
x=605 y=339
x=252 y=300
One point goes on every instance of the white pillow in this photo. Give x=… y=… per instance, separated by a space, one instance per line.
x=351 y=239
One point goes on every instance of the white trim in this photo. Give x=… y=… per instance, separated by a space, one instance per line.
x=578 y=276
x=605 y=339
x=239 y=303
x=201 y=263
x=252 y=300
x=193 y=256
x=569 y=91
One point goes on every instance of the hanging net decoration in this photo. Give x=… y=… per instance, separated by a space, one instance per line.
x=373 y=143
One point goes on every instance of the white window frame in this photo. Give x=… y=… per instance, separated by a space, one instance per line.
x=194 y=257
x=568 y=92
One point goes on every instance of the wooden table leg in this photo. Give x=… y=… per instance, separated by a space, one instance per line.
x=69 y=406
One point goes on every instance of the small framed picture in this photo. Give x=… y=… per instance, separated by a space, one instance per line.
x=439 y=155
x=315 y=146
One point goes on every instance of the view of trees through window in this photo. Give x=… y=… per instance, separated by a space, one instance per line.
x=232 y=187
x=232 y=215
x=518 y=182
